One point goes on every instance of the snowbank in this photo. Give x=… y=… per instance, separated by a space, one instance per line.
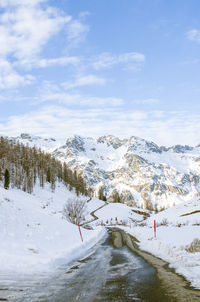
x=117 y=212
x=173 y=238
x=34 y=235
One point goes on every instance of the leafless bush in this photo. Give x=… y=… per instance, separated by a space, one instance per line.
x=142 y=224
x=194 y=247
x=196 y=223
x=75 y=210
x=181 y=224
x=164 y=222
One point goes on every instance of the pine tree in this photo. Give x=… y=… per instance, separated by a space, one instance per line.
x=48 y=175
x=28 y=166
x=6 y=179
x=101 y=194
x=0 y=173
x=116 y=197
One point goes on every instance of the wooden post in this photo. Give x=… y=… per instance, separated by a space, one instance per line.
x=80 y=232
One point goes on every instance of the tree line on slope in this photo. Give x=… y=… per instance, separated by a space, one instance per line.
x=23 y=166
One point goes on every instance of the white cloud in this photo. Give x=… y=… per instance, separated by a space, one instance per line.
x=107 y=60
x=193 y=35
x=83 y=15
x=50 y=92
x=81 y=100
x=131 y=56
x=84 y=81
x=137 y=115
x=25 y=29
x=9 y=78
x=6 y=3
x=43 y=63
x=148 y=101
x=173 y=128
x=76 y=32
x=26 y=26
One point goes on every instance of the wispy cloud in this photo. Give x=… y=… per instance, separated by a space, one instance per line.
x=107 y=60
x=80 y=100
x=9 y=78
x=25 y=29
x=26 y=26
x=43 y=63
x=76 y=32
x=194 y=35
x=51 y=92
x=6 y=3
x=149 y=101
x=84 y=81
x=178 y=127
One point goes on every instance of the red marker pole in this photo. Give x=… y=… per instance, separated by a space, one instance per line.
x=80 y=232
x=154 y=228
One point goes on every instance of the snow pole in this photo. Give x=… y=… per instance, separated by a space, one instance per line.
x=80 y=232
x=154 y=228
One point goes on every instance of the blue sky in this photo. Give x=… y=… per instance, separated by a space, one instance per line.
x=98 y=67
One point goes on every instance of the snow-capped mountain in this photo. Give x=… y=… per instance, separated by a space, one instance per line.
x=46 y=144
x=142 y=173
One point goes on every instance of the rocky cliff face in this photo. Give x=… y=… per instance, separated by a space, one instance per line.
x=139 y=171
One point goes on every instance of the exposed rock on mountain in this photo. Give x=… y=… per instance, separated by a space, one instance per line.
x=134 y=170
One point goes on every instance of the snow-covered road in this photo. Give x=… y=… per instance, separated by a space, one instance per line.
x=107 y=274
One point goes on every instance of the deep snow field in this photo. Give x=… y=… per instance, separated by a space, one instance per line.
x=35 y=237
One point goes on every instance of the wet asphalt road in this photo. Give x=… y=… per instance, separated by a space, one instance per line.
x=108 y=274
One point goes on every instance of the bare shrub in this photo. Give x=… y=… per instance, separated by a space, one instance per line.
x=164 y=221
x=142 y=224
x=194 y=247
x=162 y=208
x=196 y=223
x=75 y=210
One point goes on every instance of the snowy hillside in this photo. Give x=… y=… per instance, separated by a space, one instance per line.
x=142 y=173
x=34 y=235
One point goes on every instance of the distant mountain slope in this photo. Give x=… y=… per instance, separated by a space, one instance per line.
x=134 y=170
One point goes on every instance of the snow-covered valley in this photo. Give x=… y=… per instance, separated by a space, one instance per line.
x=35 y=236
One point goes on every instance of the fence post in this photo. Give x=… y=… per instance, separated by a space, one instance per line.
x=80 y=232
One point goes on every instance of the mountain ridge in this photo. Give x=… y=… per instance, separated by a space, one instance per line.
x=139 y=171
